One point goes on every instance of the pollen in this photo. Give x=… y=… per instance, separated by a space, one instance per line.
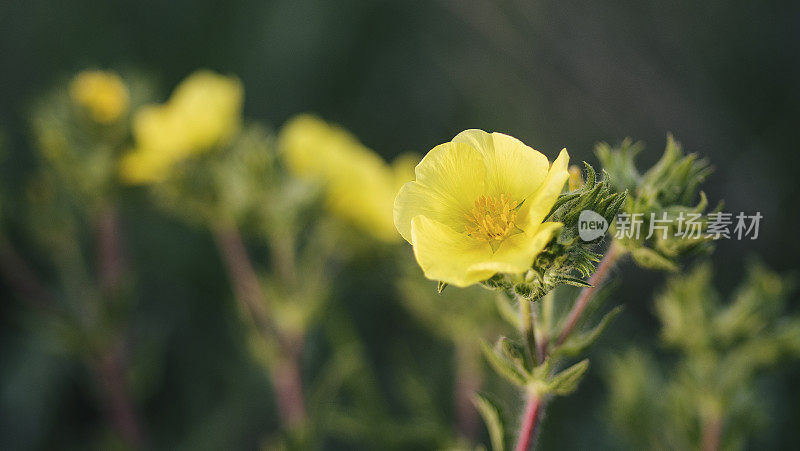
x=492 y=218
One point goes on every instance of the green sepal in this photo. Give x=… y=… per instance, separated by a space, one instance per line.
x=575 y=281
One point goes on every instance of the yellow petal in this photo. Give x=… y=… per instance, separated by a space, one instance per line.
x=538 y=206
x=449 y=179
x=446 y=255
x=512 y=168
x=460 y=260
x=517 y=252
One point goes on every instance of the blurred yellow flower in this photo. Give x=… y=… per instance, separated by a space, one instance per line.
x=103 y=94
x=477 y=205
x=359 y=185
x=204 y=111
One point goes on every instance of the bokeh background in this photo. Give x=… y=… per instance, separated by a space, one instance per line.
x=722 y=76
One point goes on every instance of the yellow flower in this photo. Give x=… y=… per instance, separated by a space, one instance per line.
x=103 y=94
x=359 y=185
x=477 y=205
x=204 y=111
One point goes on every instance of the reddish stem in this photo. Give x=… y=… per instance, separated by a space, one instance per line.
x=535 y=405
x=110 y=372
x=109 y=254
x=287 y=377
x=468 y=382
x=289 y=392
x=111 y=369
x=603 y=271
x=530 y=422
x=712 y=431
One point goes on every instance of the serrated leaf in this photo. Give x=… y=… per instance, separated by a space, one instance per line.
x=505 y=368
x=577 y=344
x=567 y=381
x=493 y=417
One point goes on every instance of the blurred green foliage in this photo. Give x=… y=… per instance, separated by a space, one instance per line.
x=705 y=396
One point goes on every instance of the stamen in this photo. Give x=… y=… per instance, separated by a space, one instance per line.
x=492 y=218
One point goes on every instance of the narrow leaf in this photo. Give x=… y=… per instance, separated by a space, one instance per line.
x=493 y=417
x=503 y=367
x=567 y=381
x=577 y=344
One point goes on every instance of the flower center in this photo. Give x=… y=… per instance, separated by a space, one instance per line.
x=492 y=218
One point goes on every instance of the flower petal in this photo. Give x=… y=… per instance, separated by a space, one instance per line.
x=512 y=168
x=517 y=252
x=449 y=180
x=538 y=206
x=448 y=256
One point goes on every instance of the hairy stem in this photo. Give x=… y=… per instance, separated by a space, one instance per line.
x=530 y=423
x=526 y=318
x=603 y=271
x=287 y=378
x=535 y=404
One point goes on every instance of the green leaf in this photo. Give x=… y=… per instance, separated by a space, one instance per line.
x=577 y=344
x=504 y=367
x=493 y=417
x=567 y=381
x=648 y=258
x=507 y=310
x=514 y=352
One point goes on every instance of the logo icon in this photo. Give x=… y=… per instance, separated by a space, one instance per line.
x=591 y=225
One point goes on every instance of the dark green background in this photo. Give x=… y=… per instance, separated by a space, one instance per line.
x=407 y=75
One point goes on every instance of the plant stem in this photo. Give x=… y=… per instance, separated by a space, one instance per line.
x=712 y=431
x=110 y=370
x=468 y=382
x=535 y=404
x=526 y=318
x=289 y=389
x=530 y=422
x=603 y=271
x=110 y=373
x=242 y=275
x=247 y=288
x=109 y=255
